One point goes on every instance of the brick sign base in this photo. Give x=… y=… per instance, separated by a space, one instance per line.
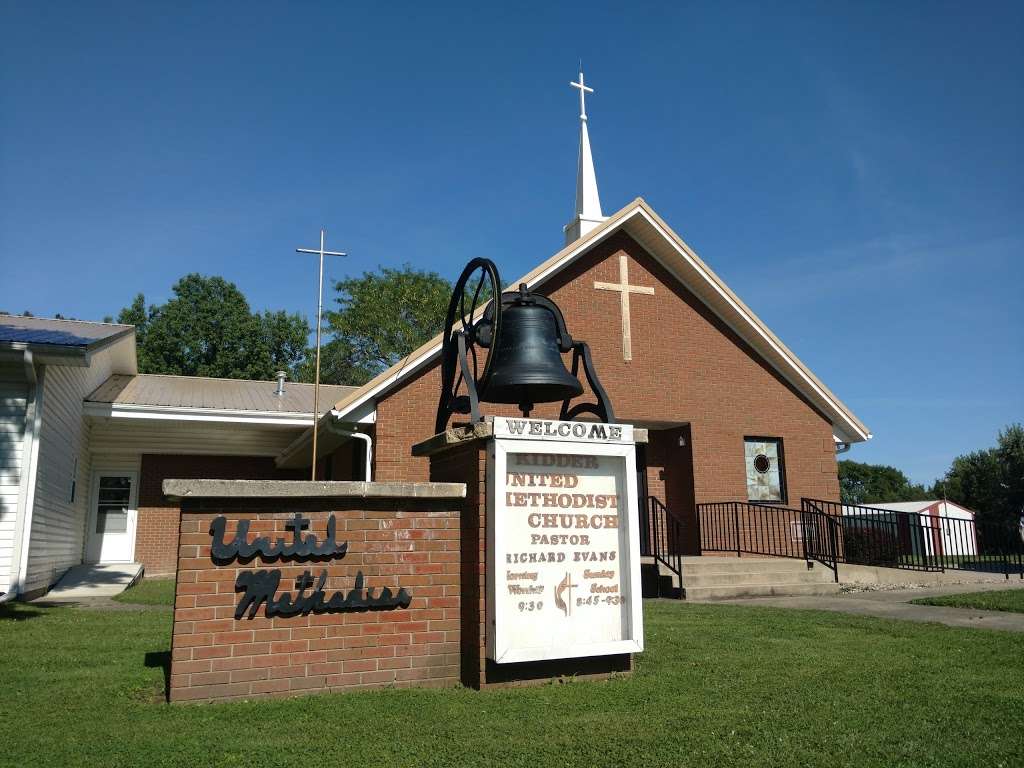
x=425 y=538
x=398 y=543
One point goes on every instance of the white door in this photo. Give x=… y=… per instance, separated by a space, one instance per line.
x=112 y=529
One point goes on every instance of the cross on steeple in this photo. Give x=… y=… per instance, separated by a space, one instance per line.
x=584 y=90
x=588 y=203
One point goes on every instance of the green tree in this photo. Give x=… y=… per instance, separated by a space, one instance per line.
x=136 y=314
x=990 y=481
x=207 y=329
x=286 y=336
x=381 y=317
x=336 y=365
x=872 y=483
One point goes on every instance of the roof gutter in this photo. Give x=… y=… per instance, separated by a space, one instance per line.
x=332 y=426
x=75 y=357
x=184 y=413
x=331 y=423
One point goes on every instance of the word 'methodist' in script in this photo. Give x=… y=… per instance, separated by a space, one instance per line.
x=260 y=588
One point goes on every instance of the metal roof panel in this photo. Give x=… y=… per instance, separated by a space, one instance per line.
x=62 y=333
x=157 y=390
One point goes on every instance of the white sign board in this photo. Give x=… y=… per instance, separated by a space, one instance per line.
x=563 y=564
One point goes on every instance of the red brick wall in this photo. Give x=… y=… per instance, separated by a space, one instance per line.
x=156 y=533
x=410 y=543
x=468 y=464
x=687 y=367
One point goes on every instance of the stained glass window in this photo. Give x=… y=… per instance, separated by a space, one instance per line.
x=766 y=475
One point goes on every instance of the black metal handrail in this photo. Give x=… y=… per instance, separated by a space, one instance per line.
x=661 y=536
x=768 y=529
x=921 y=542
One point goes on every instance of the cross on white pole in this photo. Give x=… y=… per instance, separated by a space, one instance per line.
x=319 y=313
x=626 y=289
x=584 y=90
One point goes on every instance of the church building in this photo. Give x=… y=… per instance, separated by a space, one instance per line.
x=732 y=414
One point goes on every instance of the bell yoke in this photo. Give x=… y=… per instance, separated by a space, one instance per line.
x=521 y=339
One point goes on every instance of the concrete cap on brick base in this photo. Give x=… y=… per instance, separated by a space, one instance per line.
x=455 y=436
x=452 y=437
x=304 y=489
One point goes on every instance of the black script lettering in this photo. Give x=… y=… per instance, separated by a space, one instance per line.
x=260 y=587
x=300 y=547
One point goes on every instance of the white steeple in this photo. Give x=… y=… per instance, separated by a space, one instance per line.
x=588 y=202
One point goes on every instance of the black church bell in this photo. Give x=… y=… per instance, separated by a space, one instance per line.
x=527 y=366
x=507 y=348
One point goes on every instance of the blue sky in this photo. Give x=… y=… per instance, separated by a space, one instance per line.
x=853 y=171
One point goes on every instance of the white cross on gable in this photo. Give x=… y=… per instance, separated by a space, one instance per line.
x=625 y=289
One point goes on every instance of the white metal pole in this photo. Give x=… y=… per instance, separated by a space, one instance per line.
x=316 y=375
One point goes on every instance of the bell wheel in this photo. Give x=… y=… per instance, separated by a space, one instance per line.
x=472 y=323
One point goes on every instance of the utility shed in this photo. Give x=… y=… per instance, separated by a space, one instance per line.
x=950 y=525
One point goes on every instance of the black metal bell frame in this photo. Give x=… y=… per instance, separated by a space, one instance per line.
x=523 y=337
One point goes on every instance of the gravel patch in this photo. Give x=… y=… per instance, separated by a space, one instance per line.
x=849 y=589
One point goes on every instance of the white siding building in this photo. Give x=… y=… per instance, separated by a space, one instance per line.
x=82 y=434
x=47 y=367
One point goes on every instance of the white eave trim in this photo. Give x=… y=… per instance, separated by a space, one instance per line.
x=177 y=413
x=751 y=323
x=802 y=380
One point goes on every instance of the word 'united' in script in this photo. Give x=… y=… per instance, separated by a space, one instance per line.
x=260 y=588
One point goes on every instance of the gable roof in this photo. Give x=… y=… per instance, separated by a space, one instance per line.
x=916 y=506
x=640 y=221
x=201 y=392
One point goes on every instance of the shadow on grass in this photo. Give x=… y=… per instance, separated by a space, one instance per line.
x=161 y=660
x=18 y=612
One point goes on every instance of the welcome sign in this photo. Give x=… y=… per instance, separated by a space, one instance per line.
x=563 y=541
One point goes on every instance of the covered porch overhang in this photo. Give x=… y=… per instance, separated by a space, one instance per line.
x=333 y=433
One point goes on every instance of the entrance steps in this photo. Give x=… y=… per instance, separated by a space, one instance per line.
x=725 y=578
x=88 y=581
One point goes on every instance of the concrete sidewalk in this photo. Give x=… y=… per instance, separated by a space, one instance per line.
x=896 y=605
x=84 y=582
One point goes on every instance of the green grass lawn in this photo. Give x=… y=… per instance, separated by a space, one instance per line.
x=717 y=686
x=149 y=592
x=1003 y=600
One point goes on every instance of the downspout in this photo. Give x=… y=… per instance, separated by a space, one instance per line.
x=27 y=486
x=332 y=427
